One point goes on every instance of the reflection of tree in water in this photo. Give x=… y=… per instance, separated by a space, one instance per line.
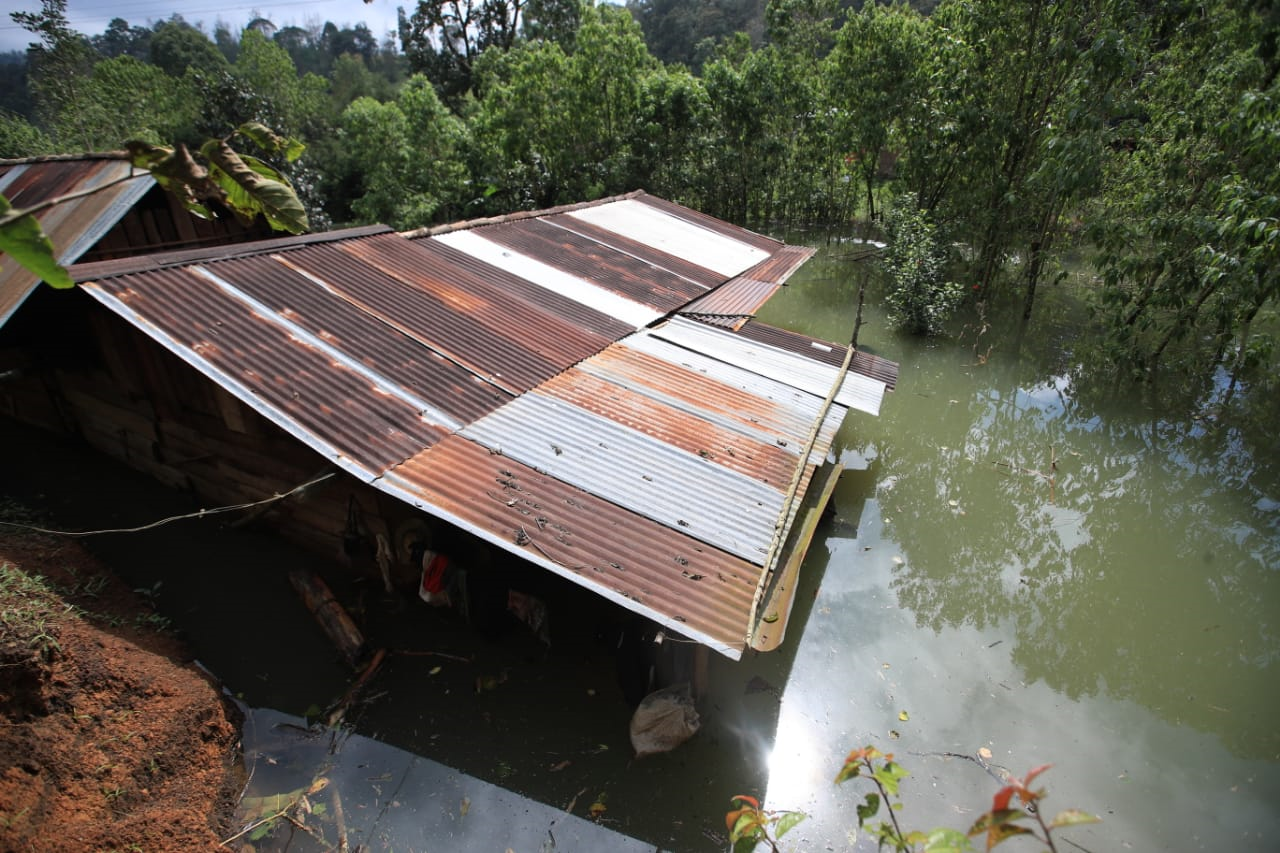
x=1148 y=576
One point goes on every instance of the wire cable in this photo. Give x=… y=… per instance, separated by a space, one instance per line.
x=197 y=514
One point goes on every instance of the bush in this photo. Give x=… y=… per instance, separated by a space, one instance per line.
x=920 y=299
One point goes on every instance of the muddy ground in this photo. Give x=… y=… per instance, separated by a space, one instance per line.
x=110 y=739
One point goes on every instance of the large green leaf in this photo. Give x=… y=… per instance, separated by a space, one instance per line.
x=250 y=193
x=25 y=241
x=786 y=821
x=270 y=141
x=177 y=173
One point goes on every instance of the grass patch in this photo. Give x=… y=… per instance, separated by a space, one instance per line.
x=30 y=609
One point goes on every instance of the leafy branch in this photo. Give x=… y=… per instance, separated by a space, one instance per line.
x=750 y=825
x=241 y=183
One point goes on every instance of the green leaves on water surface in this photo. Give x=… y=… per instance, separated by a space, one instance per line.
x=22 y=238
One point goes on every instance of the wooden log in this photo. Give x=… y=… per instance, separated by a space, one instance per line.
x=344 y=704
x=329 y=613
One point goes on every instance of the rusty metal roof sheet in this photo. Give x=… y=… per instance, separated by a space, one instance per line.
x=735 y=302
x=880 y=369
x=635 y=278
x=528 y=267
x=533 y=396
x=856 y=392
x=698 y=591
x=73 y=226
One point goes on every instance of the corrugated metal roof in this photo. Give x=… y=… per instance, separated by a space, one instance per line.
x=657 y=571
x=857 y=392
x=663 y=230
x=639 y=279
x=873 y=366
x=737 y=301
x=72 y=226
x=508 y=387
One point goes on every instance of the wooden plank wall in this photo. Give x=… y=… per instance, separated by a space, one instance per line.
x=142 y=405
x=158 y=223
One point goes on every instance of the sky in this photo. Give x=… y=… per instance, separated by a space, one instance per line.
x=92 y=16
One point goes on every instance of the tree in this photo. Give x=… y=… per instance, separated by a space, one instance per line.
x=920 y=298
x=1187 y=228
x=875 y=69
x=120 y=39
x=176 y=46
x=443 y=38
x=405 y=157
x=60 y=64
x=552 y=128
x=124 y=98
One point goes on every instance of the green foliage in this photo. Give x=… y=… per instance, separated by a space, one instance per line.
x=176 y=46
x=443 y=38
x=121 y=98
x=750 y=826
x=29 y=611
x=22 y=238
x=21 y=138
x=405 y=157
x=241 y=183
x=555 y=127
x=246 y=185
x=996 y=826
x=1187 y=227
x=920 y=298
x=876 y=67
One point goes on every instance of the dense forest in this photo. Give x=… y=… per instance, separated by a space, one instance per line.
x=991 y=139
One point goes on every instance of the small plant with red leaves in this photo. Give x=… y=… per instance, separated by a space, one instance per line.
x=750 y=826
x=1004 y=822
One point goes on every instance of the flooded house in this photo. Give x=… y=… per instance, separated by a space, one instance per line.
x=467 y=413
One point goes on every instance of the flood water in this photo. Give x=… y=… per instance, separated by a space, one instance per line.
x=1061 y=580
x=1015 y=562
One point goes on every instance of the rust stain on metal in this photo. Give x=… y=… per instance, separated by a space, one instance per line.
x=700 y=276
x=759 y=460
x=581 y=534
x=598 y=263
x=827 y=352
x=72 y=226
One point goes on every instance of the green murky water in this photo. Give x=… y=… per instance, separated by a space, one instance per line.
x=1018 y=561
x=1050 y=574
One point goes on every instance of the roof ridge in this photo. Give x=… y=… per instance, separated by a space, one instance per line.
x=54 y=158
x=435 y=230
x=97 y=270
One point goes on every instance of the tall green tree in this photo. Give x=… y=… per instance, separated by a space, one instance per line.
x=60 y=64
x=553 y=127
x=406 y=157
x=443 y=38
x=1187 y=228
x=876 y=69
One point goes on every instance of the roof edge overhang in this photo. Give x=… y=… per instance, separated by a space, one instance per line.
x=82 y=273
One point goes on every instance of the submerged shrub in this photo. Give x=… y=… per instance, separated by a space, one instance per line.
x=920 y=298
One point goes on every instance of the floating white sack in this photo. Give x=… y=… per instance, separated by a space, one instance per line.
x=665 y=719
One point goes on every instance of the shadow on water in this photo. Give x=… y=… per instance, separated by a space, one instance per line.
x=523 y=732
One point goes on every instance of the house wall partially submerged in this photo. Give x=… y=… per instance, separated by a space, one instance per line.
x=69 y=366
x=530 y=383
